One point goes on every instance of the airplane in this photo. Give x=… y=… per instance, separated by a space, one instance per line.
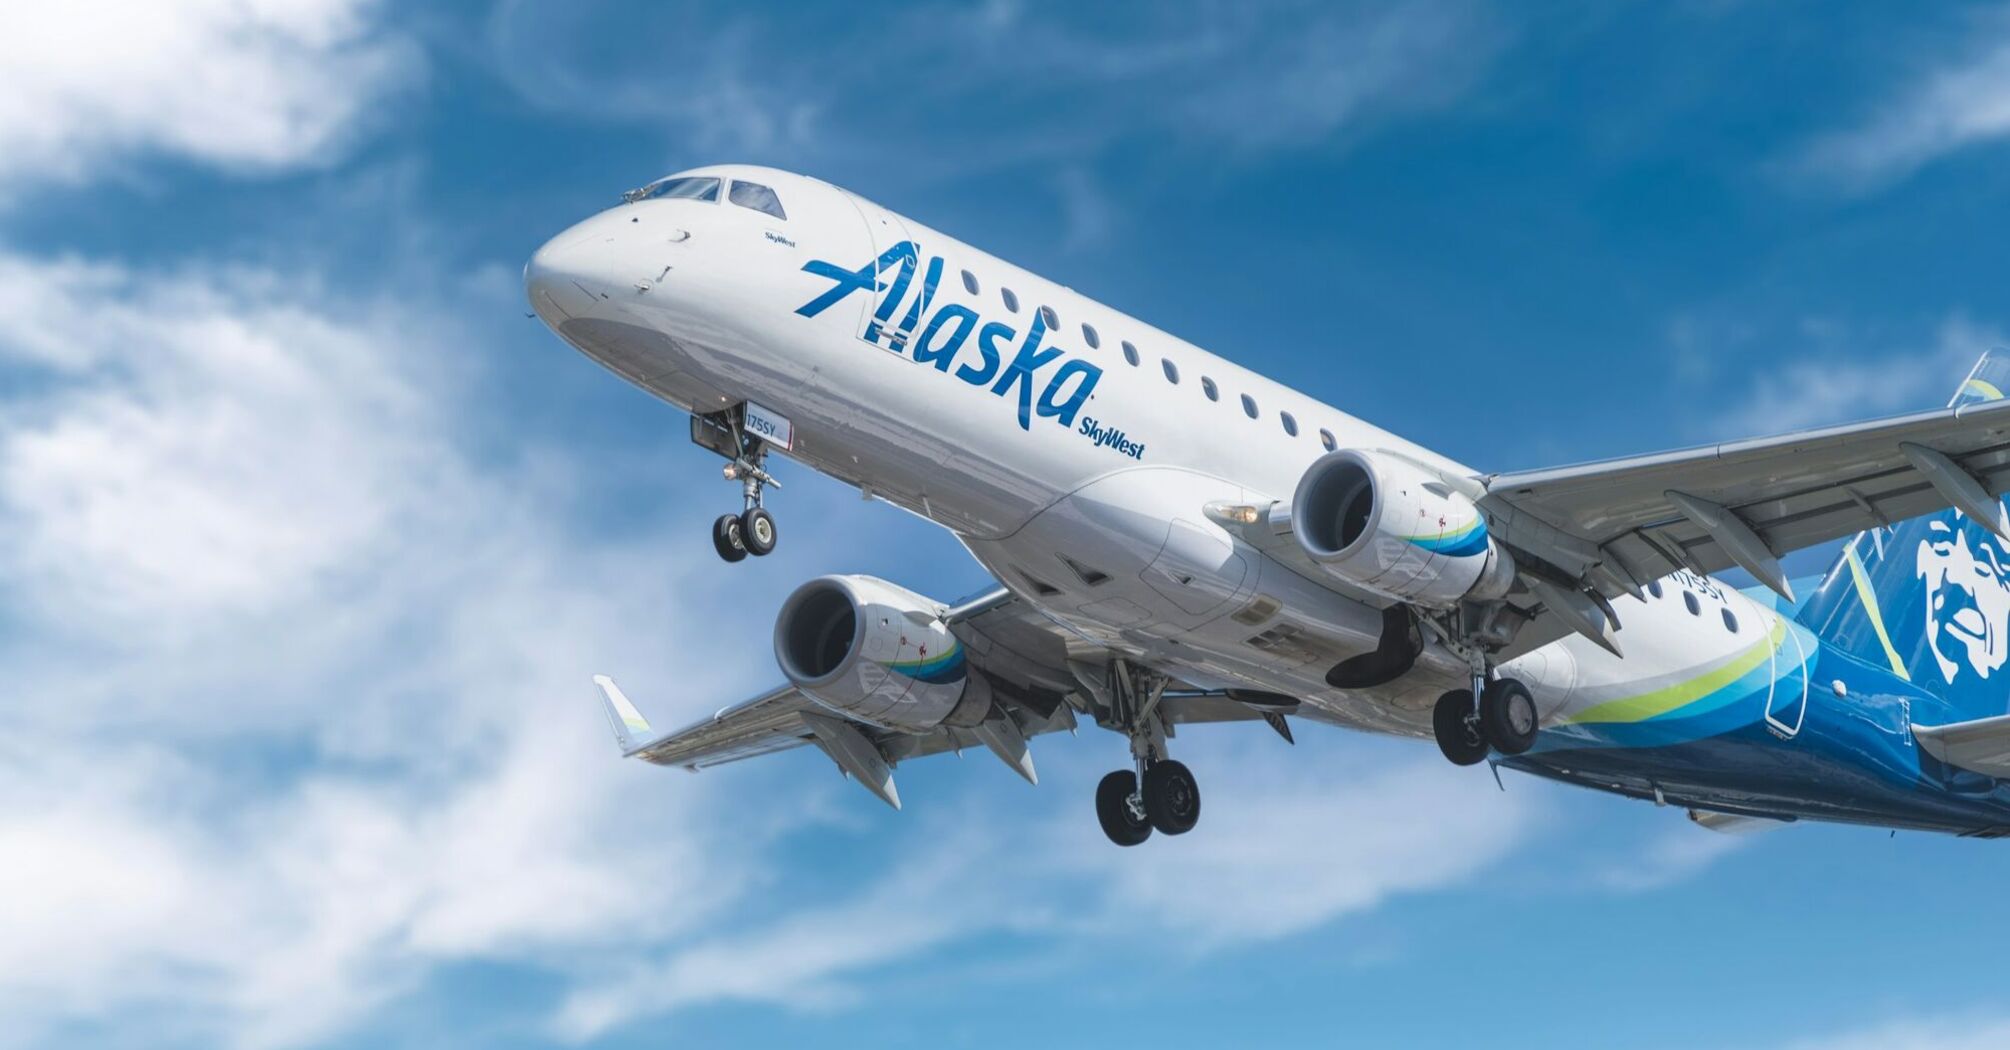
x=1177 y=540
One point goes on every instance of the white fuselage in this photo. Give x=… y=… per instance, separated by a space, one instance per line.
x=1081 y=488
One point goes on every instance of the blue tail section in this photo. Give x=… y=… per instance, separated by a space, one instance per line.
x=1929 y=597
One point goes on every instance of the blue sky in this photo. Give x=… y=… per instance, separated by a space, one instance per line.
x=311 y=538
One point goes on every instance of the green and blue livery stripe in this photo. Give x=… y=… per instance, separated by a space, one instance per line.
x=1736 y=678
x=1457 y=543
x=943 y=667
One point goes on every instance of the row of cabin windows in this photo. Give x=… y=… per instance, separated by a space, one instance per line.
x=1695 y=607
x=1095 y=341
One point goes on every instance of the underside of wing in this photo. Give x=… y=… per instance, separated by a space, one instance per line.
x=1036 y=678
x=1612 y=527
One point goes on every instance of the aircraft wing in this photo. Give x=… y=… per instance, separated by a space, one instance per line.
x=1612 y=527
x=1981 y=746
x=1031 y=662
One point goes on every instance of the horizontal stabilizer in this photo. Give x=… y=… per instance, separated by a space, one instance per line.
x=1981 y=746
x=630 y=728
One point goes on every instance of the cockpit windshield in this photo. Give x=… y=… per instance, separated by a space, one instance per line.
x=677 y=187
x=758 y=197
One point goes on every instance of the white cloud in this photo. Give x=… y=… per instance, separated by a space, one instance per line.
x=1958 y=1032
x=1950 y=106
x=1843 y=381
x=1675 y=854
x=251 y=85
x=295 y=708
x=1349 y=841
x=1031 y=85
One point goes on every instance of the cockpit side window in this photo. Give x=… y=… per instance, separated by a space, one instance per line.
x=756 y=196
x=687 y=188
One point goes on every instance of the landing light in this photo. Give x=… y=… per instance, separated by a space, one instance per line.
x=1226 y=513
x=731 y=471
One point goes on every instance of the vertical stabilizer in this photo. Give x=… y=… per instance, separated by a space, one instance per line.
x=1930 y=597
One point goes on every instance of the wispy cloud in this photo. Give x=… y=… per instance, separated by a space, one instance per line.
x=1969 y=1031
x=1351 y=841
x=1049 y=80
x=1674 y=855
x=1952 y=103
x=252 y=87
x=1835 y=375
x=275 y=744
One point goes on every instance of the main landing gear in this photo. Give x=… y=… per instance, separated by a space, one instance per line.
x=1159 y=794
x=1503 y=720
x=752 y=531
x=1496 y=715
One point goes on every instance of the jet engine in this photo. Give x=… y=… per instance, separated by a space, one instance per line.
x=878 y=653
x=1393 y=527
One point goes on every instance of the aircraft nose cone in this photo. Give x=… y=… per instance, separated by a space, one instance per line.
x=552 y=280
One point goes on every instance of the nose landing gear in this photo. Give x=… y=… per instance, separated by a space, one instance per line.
x=752 y=531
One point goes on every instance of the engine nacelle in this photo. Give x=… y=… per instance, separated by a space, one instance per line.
x=1391 y=527
x=878 y=653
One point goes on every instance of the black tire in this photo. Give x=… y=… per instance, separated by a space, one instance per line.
x=1508 y=716
x=1458 y=738
x=1113 y=809
x=726 y=538
x=757 y=531
x=1172 y=799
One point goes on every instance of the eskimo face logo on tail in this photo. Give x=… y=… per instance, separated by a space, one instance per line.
x=954 y=340
x=1966 y=572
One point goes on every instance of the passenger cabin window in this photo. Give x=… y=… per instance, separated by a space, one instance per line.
x=1730 y=622
x=1654 y=588
x=1249 y=406
x=676 y=188
x=1011 y=301
x=758 y=197
x=969 y=282
x=1172 y=371
x=1326 y=438
x=1290 y=424
x=1053 y=322
x=1207 y=387
x=1689 y=602
x=1090 y=337
x=1130 y=353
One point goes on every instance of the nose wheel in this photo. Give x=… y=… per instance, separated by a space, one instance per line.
x=752 y=531
x=729 y=537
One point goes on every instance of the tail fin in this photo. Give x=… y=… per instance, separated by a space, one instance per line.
x=630 y=728
x=1929 y=597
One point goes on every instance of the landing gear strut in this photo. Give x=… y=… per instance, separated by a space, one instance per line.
x=1495 y=715
x=752 y=531
x=1159 y=794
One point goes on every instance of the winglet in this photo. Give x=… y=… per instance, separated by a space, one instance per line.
x=630 y=728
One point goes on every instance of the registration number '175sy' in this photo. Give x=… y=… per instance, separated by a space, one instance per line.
x=770 y=426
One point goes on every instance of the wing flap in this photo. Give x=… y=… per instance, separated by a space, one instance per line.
x=770 y=722
x=1622 y=521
